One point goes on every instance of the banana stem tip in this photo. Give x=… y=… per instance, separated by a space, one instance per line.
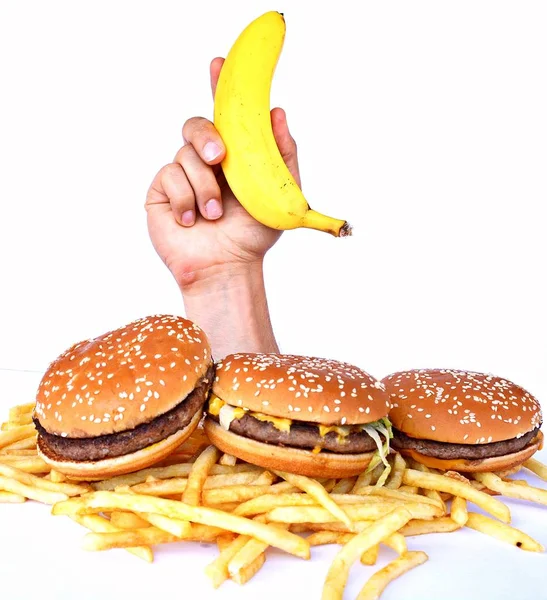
x=346 y=230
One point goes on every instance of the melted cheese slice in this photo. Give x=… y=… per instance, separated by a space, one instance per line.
x=226 y=414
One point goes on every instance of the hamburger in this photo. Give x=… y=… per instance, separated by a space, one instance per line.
x=309 y=416
x=123 y=400
x=463 y=420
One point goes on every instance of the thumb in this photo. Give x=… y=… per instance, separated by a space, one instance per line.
x=214 y=72
x=285 y=142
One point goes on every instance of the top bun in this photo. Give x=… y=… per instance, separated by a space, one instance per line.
x=301 y=388
x=123 y=378
x=460 y=407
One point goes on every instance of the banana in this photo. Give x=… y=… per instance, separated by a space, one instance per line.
x=253 y=166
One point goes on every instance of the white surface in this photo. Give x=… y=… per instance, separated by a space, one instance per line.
x=40 y=557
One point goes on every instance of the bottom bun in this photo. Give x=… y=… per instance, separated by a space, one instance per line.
x=283 y=458
x=482 y=465
x=120 y=465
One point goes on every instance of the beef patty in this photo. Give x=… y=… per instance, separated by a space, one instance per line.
x=464 y=451
x=301 y=435
x=132 y=440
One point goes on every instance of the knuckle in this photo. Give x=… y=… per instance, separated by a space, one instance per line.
x=193 y=126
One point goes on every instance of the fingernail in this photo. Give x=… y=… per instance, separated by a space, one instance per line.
x=213 y=209
x=211 y=150
x=188 y=218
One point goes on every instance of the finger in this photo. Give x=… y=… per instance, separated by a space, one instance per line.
x=206 y=140
x=285 y=142
x=203 y=181
x=176 y=188
x=214 y=69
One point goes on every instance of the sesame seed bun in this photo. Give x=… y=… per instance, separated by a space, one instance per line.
x=294 y=460
x=123 y=378
x=460 y=407
x=120 y=465
x=124 y=399
x=301 y=388
x=463 y=420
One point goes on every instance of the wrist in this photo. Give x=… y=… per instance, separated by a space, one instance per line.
x=229 y=303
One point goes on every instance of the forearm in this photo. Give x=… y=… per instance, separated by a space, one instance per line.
x=231 y=307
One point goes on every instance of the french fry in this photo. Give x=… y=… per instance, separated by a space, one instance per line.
x=421 y=527
x=99 y=524
x=328 y=485
x=28 y=443
x=402 y=496
x=127 y=520
x=29 y=464
x=241 y=493
x=248 y=571
x=14 y=486
x=105 y=501
x=243 y=478
x=344 y=486
x=176 y=527
x=395 y=477
x=227 y=459
x=160 y=487
x=129 y=538
x=9 y=425
x=205 y=533
x=363 y=480
x=318 y=492
x=223 y=506
x=316 y=514
x=268 y=502
x=434 y=495
x=217 y=571
x=363 y=512
x=22 y=419
x=249 y=553
x=224 y=540
x=482 y=488
x=265 y=478
x=409 y=489
x=14 y=435
x=370 y=556
x=57 y=477
x=503 y=532
x=321 y=538
x=198 y=474
x=167 y=472
x=373 y=588
x=536 y=467
x=335 y=582
x=432 y=481
x=510 y=490
x=334 y=526
x=18 y=452
x=458 y=511
x=396 y=541
x=20 y=410
x=11 y=498
x=376 y=473
x=28 y=479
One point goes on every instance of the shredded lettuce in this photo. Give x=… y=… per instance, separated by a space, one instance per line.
x=382 y=426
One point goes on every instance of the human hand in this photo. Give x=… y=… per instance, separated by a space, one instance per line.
x=195 y=222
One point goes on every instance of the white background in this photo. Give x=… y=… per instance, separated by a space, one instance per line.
x=422 y=123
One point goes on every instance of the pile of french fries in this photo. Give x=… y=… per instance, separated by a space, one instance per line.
x=201 y=495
